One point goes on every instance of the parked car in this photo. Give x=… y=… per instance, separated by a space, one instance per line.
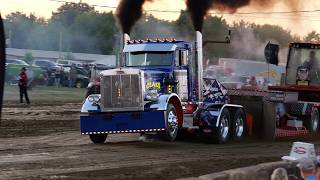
x=66 y=62
x=82 y=77
x=49 y=68
x=13 y=67
x=45 y=64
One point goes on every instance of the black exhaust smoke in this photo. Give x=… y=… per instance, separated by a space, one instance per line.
x=128 y=12
x=198 y=9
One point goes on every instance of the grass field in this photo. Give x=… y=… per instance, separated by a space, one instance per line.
x=46 y=94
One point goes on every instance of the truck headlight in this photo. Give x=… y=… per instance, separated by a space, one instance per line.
x=94 y=98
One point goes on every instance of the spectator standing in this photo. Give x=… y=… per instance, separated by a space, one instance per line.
x=72 y=76
x=307 y=168
x=57 y=79
x=23 y=84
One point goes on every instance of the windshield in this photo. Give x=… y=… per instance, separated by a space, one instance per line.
x=301 y=59
x=149 y=58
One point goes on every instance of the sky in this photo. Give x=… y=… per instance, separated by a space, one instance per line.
x=299 y=23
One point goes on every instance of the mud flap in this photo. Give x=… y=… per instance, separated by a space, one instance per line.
x=269 y=121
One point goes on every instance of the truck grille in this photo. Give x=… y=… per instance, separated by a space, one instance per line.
x=121 y=93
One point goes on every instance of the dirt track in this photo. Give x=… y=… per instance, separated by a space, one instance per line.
x=42 y=142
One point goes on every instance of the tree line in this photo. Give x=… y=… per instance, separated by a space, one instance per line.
x=79 y=28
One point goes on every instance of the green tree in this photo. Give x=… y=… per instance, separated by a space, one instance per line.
x=216 y=29
x=68 y=12
x=94 y=32
x=312 y=37
x=184 y=25
x=21 y=26
x=150 y=27
x=28 y=57
x=273 y=32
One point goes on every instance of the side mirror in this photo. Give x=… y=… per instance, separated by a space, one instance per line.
x=2 y=61
x=271 y=52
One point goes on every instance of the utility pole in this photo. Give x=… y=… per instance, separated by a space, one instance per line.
x=60 y=45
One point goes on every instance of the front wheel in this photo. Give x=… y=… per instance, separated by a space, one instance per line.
x=221 y=133
x=171 y=131
x=98 y=138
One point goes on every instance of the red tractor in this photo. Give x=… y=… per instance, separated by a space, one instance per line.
x=302 y=80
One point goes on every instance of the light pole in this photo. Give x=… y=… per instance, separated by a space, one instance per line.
x=60 y=44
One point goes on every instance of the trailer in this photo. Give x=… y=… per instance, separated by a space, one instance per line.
x=158 y=88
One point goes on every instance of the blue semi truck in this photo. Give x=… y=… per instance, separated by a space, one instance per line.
x=159 y=88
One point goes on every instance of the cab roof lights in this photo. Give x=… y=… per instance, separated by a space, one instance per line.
x=305 y=45
x=151 y=40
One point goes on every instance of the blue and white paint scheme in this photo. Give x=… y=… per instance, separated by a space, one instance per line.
x=156 y=89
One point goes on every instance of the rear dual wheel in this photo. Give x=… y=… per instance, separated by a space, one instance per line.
x=239 y=124
x=222 y=132
x=228 y=127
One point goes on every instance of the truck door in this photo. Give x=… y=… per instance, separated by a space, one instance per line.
x=181 y=73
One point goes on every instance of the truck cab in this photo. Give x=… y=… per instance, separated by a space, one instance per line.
x=155 y=90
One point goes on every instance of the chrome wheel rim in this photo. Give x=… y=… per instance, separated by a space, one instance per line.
x=224 y=127
x=239 y=126
x=172 y=122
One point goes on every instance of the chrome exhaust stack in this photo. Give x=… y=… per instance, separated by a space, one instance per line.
x=199 y=65
x=125 y=39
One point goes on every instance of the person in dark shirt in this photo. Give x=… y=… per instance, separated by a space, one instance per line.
x=23 y=84
x=58 y=75
x=312 y=64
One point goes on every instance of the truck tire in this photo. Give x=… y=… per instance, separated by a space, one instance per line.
x=238 y=124
x=222 y=132
x=172 y=128
x=314 y=120
x=98 y=138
